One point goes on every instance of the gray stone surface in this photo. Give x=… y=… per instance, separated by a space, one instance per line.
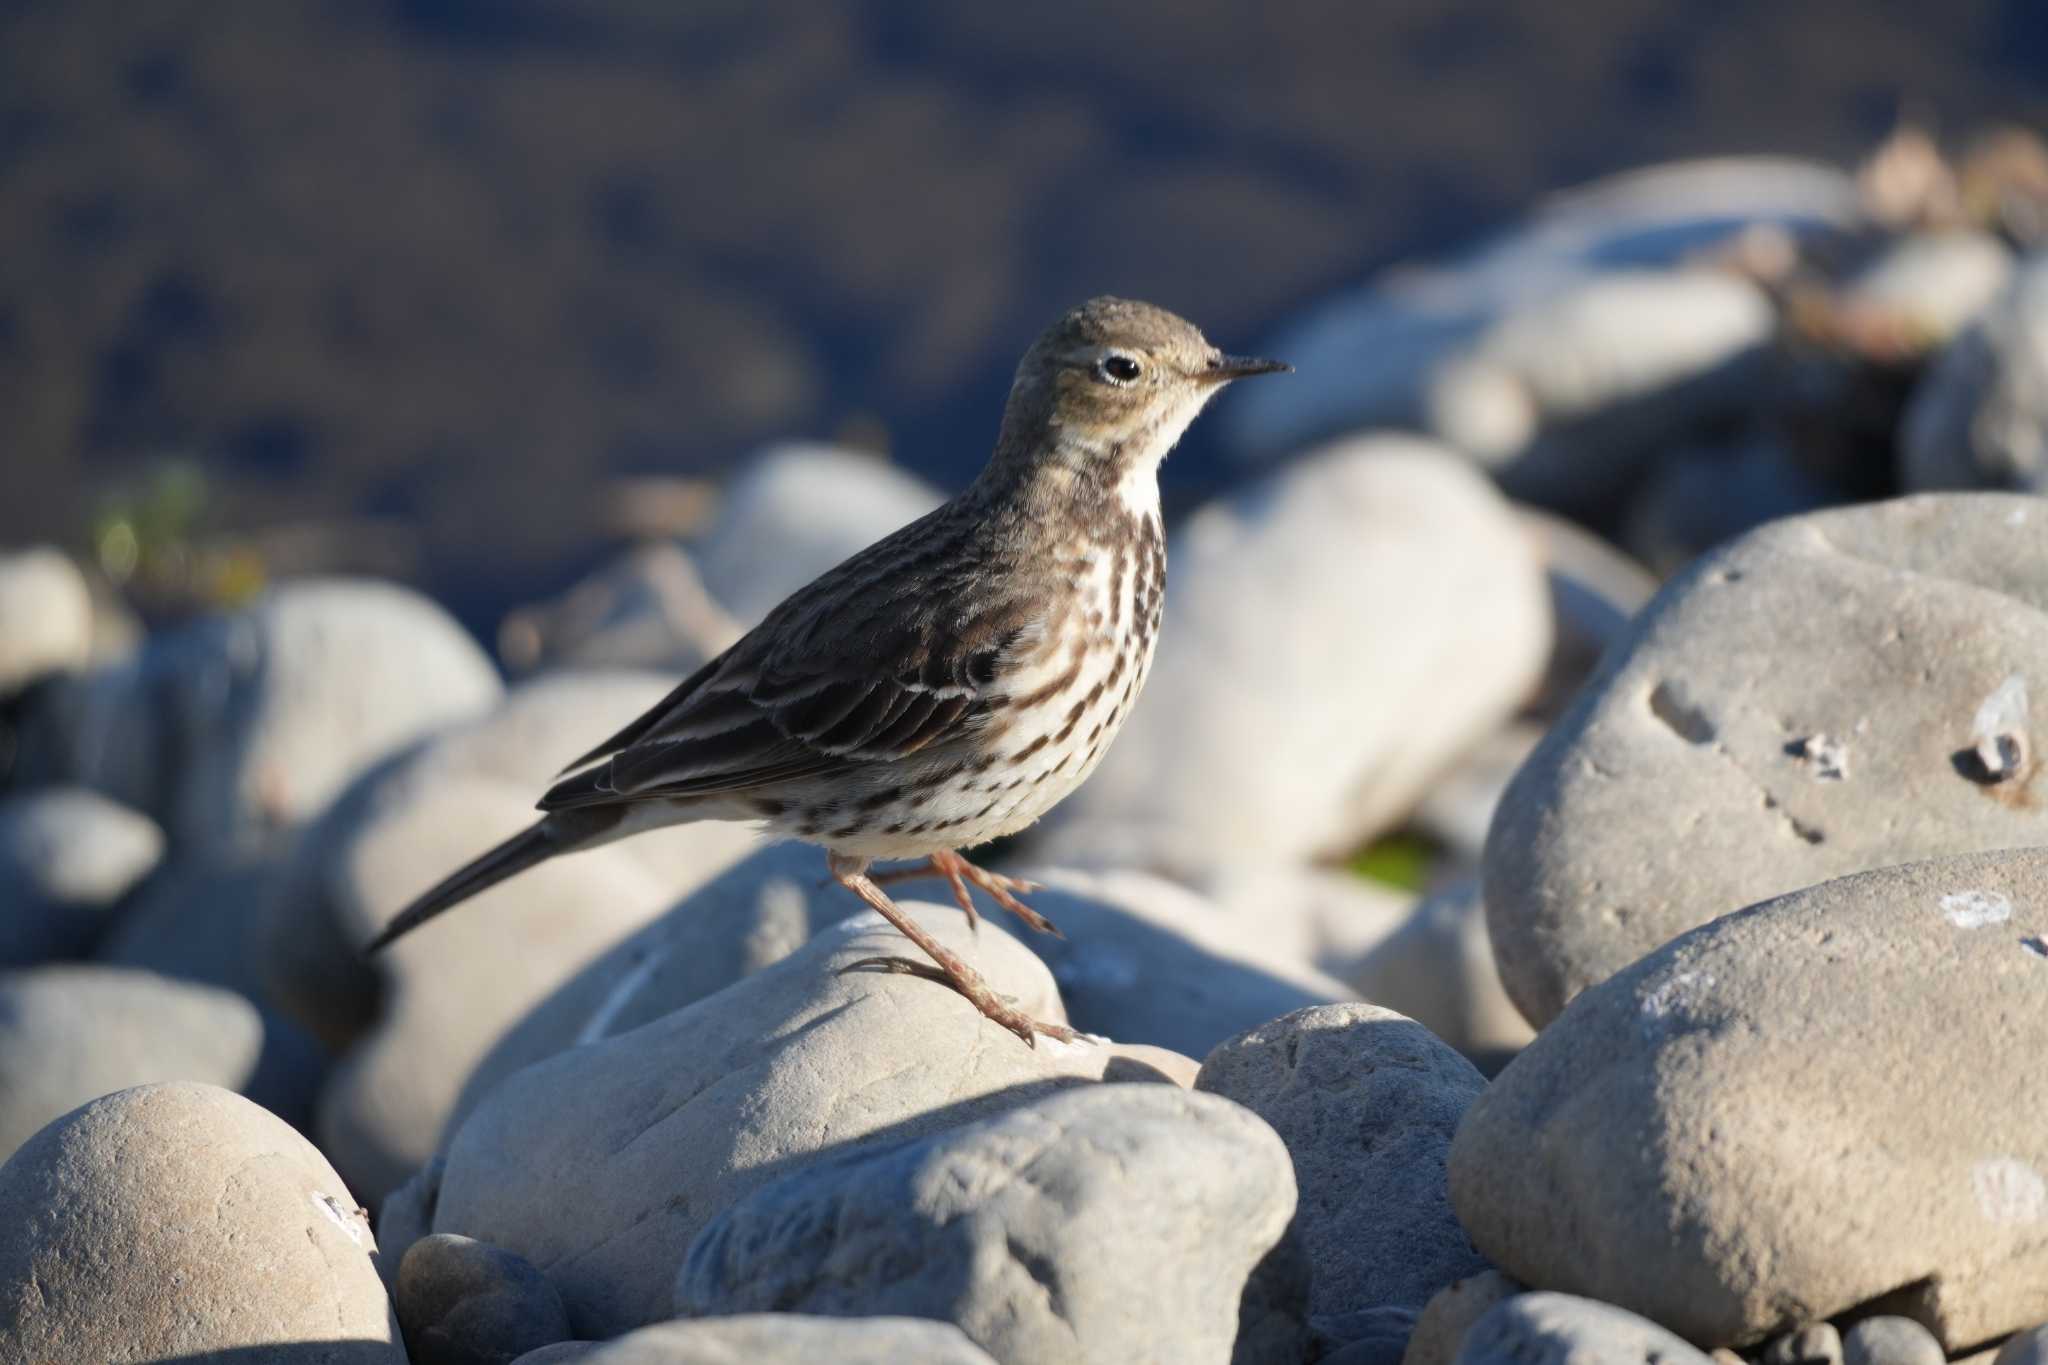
x=234 y=729
x=1565 y=399
x=1706 y=494
x=419 y=1018
x=406 y=1215
x=646 y=609
x=1813 y=1343
x=601 y=1164
x=1335 y=636
x=1558 y=1329
x=1890 y=1340
x=334 y=897
x=1294 y=913
x=1638 y=1150
x=1366 y=358
x=749 y=916
x=67 y=857
x=1979 y=415
x=1804 y=703
x=194 y=919
x=45 y=616
x=794 y=511
x=1366 y=1101
x=181 y=1222
x=69 y=1034
x=1458 y=808
x=465 y=1302
x=1438 y=969
x=1929 y=285
x=2025 y=1348
x=1146 y=961
x=1109 y=1224
x=783 y=1339
x=1595 y=590
x=1440 y=1332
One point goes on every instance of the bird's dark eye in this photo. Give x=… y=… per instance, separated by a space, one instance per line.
x=1118 y=369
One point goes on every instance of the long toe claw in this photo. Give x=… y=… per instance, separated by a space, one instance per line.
x=949 y=968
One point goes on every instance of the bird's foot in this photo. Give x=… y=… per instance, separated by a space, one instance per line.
x=977 y=990
x=1001 y=888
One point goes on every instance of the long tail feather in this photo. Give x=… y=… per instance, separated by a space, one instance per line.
x=538 y=842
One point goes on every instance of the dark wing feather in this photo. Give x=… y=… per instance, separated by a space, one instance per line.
x=905 y=646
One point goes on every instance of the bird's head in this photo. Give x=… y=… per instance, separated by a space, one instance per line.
x=1105 y=393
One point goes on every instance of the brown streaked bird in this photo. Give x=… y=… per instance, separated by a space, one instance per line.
x=950 y=683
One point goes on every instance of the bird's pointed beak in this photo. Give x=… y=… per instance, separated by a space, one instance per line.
x=1229 y=367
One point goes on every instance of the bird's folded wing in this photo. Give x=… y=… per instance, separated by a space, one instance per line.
x=809 y=703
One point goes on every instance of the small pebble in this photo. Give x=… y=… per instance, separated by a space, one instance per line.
x=2025 y=1348
x=1817 y=1343
x=465 y=1302
x=1890 y=1341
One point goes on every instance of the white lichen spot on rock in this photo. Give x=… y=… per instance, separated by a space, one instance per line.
x=2008 y=1190
x=1826 y=758
x=1674 y=996
x=351 y=1226
x=2016 y=517
x=1999 y=730
x=1976 y=909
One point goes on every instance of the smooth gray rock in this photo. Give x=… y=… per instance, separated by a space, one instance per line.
x=1440 y=1331
x=1104 y=1225
x=193 y=921
x=1705 y=495
x=451 y=991
x=1438 y=969
x=1366 y=1101
x=1336 y=635
x=1890 y=1340
x=1558 y=1329
x=2025 y=1348
x=1146 y=961
x=181 y=1222
x=1283 y=914
x=796 y=510
x=1595 y=591
x=335 y=894
x=69 y=1034
x=1979 y=415
x=1804 y=703
x=749 y=916
x=782 y=1339
x=1567 y=398
x=1366 y=358
x=67 y=857
x=45 y=616
x=407 y=1215
x=646 y=609
x=465 y=1302
x=1637 y=1150
x=601 y=1164
x=1928 y=284
x=1458 y=808
x=1814 y=1343
x=233 y=730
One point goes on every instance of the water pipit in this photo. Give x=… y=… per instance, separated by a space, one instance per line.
x=950 y=683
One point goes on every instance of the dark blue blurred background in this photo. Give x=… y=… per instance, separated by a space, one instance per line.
x=413 y=286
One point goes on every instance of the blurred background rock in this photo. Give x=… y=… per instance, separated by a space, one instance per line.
x=434 y=288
